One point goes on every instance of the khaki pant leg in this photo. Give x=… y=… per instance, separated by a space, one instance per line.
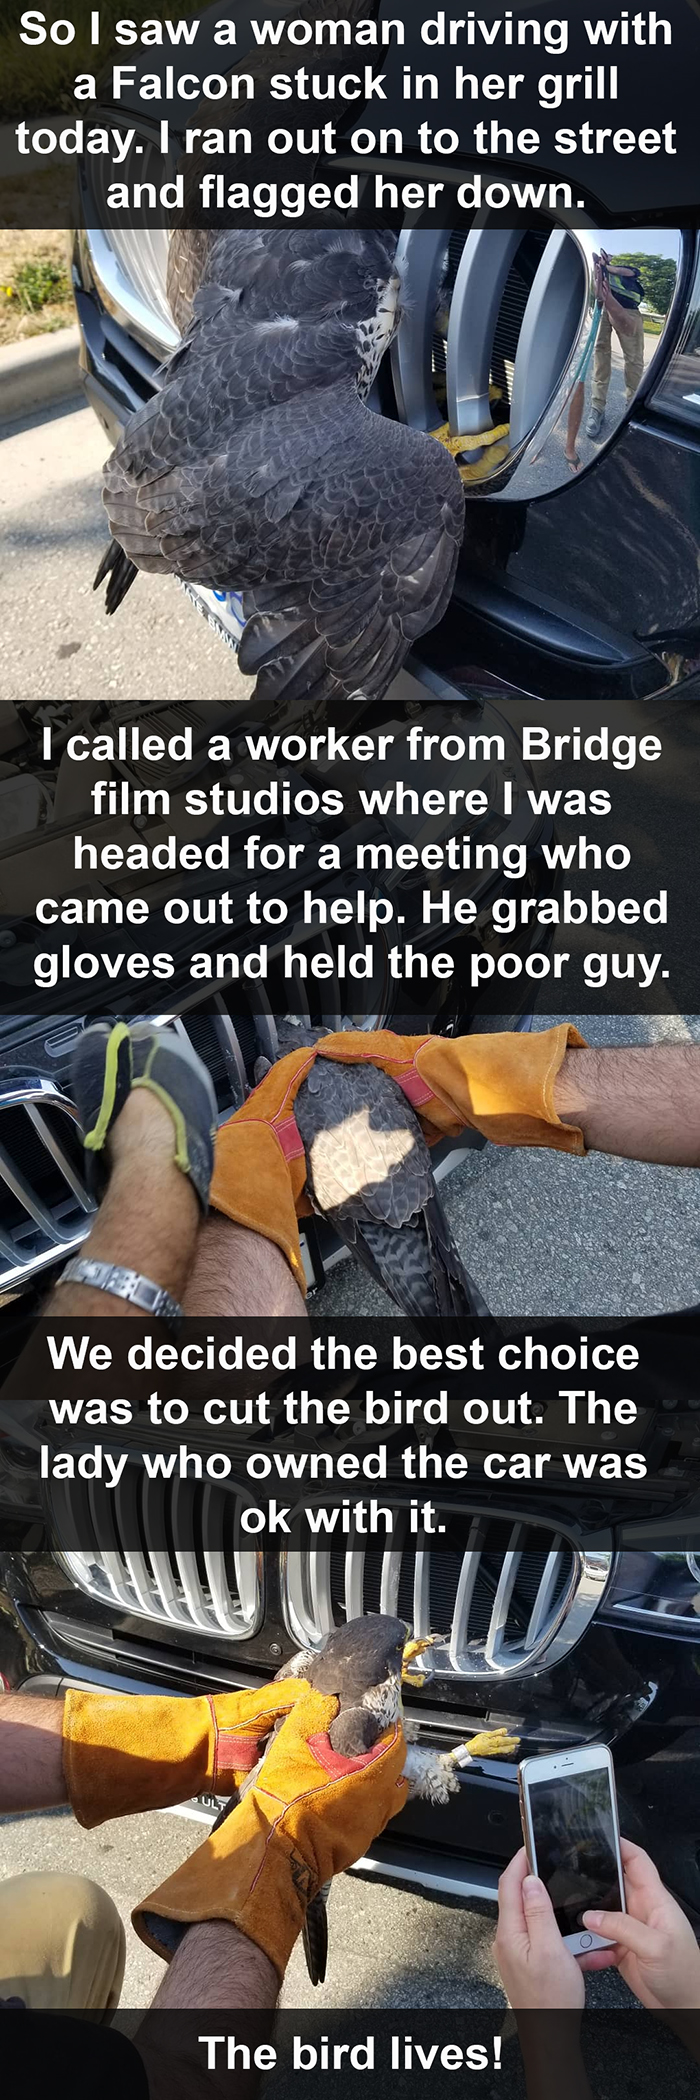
x=62 y=1944
x=602 y=362
x=633 y=351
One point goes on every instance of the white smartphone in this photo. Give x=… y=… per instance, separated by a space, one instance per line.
x=572 y=1837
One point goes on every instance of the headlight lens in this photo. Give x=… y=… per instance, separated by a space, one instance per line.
x=658 y=1587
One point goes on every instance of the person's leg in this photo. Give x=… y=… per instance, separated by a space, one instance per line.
x=237 y=1274
x=602 y=364
x=62 y=1945
x=633 y=353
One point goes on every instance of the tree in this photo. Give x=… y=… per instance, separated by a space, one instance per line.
x=658 y=274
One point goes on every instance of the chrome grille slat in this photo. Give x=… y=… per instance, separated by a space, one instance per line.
x=321 y=1595
x=545 y=1597
x=499 y=1616
x=421 y=1594
x=34 y=1230
x=522 y=1590
x=59 y=1155
x=354 y=1583
x=188 y=1584
x=391 y=1577
x=22 y=1190
x=465 y=1591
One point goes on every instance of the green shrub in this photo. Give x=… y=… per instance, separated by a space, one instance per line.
x=38 y=284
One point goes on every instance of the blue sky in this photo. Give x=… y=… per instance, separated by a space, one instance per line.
x=635 y=240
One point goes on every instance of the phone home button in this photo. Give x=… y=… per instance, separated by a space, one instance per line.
x=585 y=1941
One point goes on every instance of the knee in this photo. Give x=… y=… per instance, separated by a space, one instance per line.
x=95 y=1942
x=69 y=1945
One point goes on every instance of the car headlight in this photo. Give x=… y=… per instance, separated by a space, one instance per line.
x=662 y=1589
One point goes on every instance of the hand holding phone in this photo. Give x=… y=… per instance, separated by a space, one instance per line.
x=572 y=1837
x=537 y=1971
x=654 y=1948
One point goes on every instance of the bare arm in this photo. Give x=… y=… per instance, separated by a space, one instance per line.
x=31 y=1753
x=215 y=1969
x=641 y=1103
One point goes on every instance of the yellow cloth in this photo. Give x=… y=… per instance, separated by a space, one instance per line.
x=124 y=1754
x=310 y=1814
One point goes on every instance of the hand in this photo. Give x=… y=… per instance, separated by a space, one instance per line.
x=310 y=1814
x=655 y=1947
x=124 y=1754
x=537 y=1971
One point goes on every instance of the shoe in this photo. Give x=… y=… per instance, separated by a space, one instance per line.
x=108 y=1062
x=595 y=422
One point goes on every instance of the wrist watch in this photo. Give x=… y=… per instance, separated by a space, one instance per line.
x=124 y=1283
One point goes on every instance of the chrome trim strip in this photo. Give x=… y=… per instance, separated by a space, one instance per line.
x=420 y=261
x=552 y=323
x=122 y=299
x=476 y=302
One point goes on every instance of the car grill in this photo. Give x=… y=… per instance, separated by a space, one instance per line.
x=212 y=1589
x=45 y=1208
x=518 y=1592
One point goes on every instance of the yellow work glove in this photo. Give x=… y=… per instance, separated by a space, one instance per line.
x=122 y=1755
x=501 y=1085
x=310 y=1814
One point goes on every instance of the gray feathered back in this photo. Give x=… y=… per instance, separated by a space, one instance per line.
x=259 y=468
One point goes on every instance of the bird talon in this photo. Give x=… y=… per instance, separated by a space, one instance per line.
x=490 y=1742
x=414 y=1647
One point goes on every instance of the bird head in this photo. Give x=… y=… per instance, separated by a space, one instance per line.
x=363 y=1664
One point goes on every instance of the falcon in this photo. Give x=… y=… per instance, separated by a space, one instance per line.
x=369 y=1172
x=364 y=1664
x=260 y=467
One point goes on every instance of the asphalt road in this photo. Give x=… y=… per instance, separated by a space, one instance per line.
x=57 y=642
x=543 y=1233
x=388 y=1947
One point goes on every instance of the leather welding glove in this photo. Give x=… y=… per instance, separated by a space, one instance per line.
x=309 y=1814
x=501 y=1085
x=124 y=1754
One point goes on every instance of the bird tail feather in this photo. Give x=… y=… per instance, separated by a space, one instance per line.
x=119 y=572
x=418 y=1266
x=314 y=1934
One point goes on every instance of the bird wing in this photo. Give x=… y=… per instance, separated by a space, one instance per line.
x=365 y=1151
x=341 y=528
x=369 y=1170
x=343 y=601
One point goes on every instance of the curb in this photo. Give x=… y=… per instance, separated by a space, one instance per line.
x=36 y=373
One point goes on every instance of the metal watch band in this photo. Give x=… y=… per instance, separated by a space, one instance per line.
x=123 y=1283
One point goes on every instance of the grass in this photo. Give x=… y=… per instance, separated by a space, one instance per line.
x=35 y=286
